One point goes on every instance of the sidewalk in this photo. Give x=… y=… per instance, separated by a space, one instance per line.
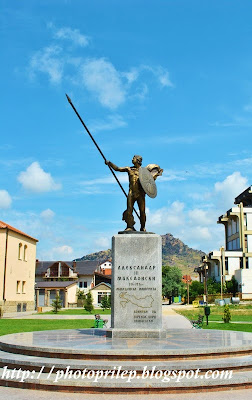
x=172 y=320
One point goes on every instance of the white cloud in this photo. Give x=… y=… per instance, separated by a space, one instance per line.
x=62 y=251
x=112 y=122
x=107 y=180
x=48 y=62
x=5 y=199
x=163 y=76
x=231 y=187
x=160 y=73
x=47 y=214
x=131 y=75
x=101 y=78
x=35 y=179
x=72 y=35
x=102 y=242
x=199 y=217
x=167 y=216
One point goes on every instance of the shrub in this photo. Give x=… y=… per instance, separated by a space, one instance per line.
x=227 y=314
x=88 y=303
x=56 y=304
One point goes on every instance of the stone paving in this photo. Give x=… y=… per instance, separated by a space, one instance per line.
x=25 y=394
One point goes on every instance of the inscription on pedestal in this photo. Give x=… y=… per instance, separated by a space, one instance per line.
x=137 y=282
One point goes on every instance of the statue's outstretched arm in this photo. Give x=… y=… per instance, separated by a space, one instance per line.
x=116 y=168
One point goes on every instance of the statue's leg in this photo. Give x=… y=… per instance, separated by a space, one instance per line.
x=141 y=205
x=128 y=214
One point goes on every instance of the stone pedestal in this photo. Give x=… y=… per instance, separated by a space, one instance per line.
x=136 y=308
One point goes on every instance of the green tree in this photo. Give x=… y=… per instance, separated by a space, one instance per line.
x=104 y=302
x=232 y=286
x=56 y=304
x=88 y=303
x=196 y=289
x=213 y=287
x=172 y=284
x=80 y=294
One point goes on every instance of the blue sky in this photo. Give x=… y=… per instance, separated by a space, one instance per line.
x=169 y=80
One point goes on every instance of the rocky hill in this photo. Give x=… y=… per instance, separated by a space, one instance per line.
x=175 y=253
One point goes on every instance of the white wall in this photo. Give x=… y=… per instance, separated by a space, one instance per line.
x=249 y=238
x=249 y=221
x=244 y=277
x=233 y=264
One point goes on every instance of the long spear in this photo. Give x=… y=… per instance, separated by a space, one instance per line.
x=98 y=148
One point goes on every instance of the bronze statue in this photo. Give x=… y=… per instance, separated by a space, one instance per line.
x=141 y=181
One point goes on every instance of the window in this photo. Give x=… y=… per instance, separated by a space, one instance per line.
x=85 y=284
x=80 y=285
x=23 y=286
x=18 y=286
x=101 y=295
x=19 y=251
x=25 y=252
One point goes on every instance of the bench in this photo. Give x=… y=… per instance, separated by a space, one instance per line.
x=198 y=322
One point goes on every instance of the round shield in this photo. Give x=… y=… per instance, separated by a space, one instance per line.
x=147 y=182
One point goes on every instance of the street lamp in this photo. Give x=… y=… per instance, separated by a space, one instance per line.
x=205 y=264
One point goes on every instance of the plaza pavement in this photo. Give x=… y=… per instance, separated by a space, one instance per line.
x=25 y=394
x=171 y=320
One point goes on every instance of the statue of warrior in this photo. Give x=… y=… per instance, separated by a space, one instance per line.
x=141 y=181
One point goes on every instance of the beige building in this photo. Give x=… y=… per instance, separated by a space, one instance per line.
x=17 y=269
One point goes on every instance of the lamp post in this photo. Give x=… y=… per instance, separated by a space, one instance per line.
x=188 y=280
x=222 y=266
x=207 y=309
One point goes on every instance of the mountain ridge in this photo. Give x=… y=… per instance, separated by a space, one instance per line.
x=174 y=253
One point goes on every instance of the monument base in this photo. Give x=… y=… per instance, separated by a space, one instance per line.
x=139 y=333
x=136 y=302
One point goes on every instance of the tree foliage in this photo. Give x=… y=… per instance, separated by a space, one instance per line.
x=196 y=289
x=88 y=303
x=105 y=302
x=172 y=284
x=213 y=287
x=232 y=286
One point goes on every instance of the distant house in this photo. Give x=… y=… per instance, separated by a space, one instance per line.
x=47 y=291
x=17 y=269
x=85 y=275
x=55 y=270
x=235 y=258
x=100 y=290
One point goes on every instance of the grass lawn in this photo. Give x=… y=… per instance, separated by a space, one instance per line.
x=239 y=313
x=228 y=327
x=29 y=325
x=80 y=311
